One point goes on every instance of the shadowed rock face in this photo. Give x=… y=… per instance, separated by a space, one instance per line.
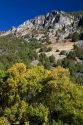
x=56 y=23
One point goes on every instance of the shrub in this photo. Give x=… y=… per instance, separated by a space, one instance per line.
x=52 y=59
x=49 y=49
x=63 y=52
x=75 y=37
x=71 y=55
x=57 y=50
x=45 y=49
x=37 y=96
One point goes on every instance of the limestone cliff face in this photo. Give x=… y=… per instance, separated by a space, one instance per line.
x=58 y=24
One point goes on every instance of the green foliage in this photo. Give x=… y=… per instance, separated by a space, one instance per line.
x=71 y=55
x=47 y=62
x=2 y=76
x=4 y=121
x=45 y=49
x=73 y=61
x=44 y=60
x=58 y=123
x=42 y=57
x=38 y=114
x=75 y=37
x=63 y=52
x=49 y=49
x=37 y=96
x=79 y=52
x=13 y=50
x=52 y=59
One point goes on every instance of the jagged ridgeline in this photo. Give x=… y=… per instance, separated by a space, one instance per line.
x=45 y=40
x=41 y=71
x=55 y=23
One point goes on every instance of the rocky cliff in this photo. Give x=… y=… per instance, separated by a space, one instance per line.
x=57 y=24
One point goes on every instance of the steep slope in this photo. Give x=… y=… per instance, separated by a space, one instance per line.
x=55 y=24
x=45 y=40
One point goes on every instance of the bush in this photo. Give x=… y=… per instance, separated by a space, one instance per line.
x=13 y=49
x=63 y=52
x=75 y=37
x=71 y=55
x=45 y=49
x=49 y=49
x=57 y=50
x=37 y=96
x=47 y=62
x=52 y=59
x=44 y=60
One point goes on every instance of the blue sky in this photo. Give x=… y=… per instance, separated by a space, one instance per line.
x=15 y=12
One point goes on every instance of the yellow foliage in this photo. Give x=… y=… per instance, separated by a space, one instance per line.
x=17 y=68
x=17 y=74
x=4 y=121
x=27 y=88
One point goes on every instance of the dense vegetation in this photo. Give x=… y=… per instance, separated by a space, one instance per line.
x=41 y=95
x=36 y=96
x=13 y=49
x=74 y=61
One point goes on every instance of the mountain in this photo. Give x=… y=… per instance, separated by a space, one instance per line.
x=55 y=24
x=46 y=39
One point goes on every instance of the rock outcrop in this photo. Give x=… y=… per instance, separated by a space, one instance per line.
x=58 y=24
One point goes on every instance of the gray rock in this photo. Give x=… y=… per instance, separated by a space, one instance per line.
x=56 y=23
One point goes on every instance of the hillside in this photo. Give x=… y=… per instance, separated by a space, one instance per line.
x=56 y=24
x=41 y=71
x=47 y=40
